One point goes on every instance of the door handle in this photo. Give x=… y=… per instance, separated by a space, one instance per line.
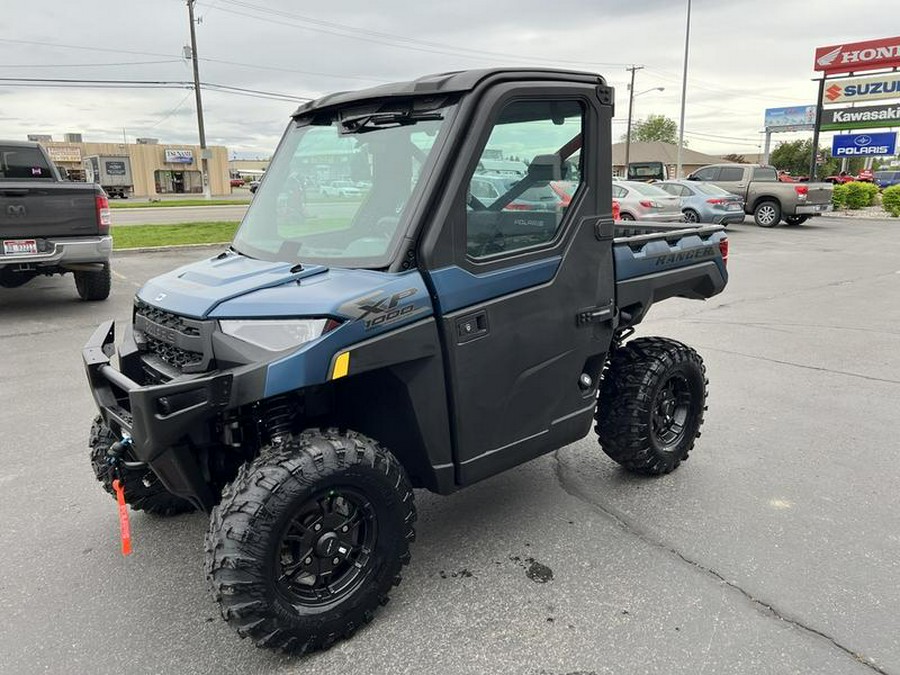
x=471 y=327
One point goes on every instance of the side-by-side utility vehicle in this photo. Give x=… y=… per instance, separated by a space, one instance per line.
x=342 y=352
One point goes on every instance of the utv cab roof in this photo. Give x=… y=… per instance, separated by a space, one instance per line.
x=446 y=83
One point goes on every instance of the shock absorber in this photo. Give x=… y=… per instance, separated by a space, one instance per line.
x=278 y=418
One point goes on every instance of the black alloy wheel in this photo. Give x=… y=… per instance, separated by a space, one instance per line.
x=326 y=549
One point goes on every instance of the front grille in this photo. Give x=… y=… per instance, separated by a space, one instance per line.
x=174 y=356
x=164 y=318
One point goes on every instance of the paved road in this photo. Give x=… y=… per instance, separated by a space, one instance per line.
x=775 y=549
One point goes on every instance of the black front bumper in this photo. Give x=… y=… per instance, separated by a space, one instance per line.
x=160 y=417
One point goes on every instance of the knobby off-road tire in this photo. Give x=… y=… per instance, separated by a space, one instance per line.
x=143 y=491
x=93 y=285
x=767 y=213
x=651 y=405
x=308 y=540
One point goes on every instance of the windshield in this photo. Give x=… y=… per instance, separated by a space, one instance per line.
x=648 y=170
x=649 y=190
x=336 y=193
x=710 y=189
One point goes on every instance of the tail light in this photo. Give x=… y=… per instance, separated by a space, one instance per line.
x=716 y=200
x=616 y=210
x=564 y=197
x=104 y=218
x=517 y=207
x=649 y=204
x=723 y=249
x=802 y=191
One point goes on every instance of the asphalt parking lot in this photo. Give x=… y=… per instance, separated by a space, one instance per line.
x=774 y=549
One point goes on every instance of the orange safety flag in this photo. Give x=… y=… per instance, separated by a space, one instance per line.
x=124 y=527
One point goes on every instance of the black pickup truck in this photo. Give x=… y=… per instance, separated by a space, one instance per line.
x=50 y=226
x=338 y=354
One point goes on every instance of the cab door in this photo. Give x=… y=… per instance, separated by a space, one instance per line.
x=526 y=305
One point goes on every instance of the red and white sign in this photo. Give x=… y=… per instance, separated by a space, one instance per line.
x=858 y=56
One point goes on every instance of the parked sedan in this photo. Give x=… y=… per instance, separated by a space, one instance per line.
x=340 y=188
x=642 y=201
x=705 y=202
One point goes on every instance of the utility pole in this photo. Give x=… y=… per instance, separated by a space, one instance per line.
x=687 y=42
x=204 y=166
x=628 y=131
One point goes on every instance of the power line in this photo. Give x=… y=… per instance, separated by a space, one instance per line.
x=398 y=41
x=92 y=49
x=87 y=65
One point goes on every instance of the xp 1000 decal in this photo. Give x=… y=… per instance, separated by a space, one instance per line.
x=383 y=308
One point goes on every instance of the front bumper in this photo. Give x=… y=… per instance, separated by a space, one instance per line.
x=162 y=419
x=63 y=251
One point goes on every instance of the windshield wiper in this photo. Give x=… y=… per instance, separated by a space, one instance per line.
x=358 y=124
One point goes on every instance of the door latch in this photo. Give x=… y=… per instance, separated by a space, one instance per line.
x=598 y=314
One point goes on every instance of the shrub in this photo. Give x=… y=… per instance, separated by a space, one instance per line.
x=839 y=196
x=890 y=200
x=860 y=194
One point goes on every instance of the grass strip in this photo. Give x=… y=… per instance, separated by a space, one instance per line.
x=118 y=204
x=181 y=234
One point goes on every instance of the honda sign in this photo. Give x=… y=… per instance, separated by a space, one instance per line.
x=864 y=145
x=858 y=56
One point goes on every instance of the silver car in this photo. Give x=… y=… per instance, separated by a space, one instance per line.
x=643 y=201
x=705 y=202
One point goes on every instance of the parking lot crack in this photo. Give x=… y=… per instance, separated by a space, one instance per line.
x=805 y=366
x=766 y=608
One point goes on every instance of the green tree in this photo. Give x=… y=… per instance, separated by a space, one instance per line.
x=794 y=157
x=737 y=159
x=655 y=128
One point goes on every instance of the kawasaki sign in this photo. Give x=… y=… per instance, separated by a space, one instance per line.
x=862 y=89
x=864 y=145
x=871 y=117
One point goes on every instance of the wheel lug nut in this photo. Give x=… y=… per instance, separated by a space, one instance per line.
x=308 y=561
x=317 y=527
x=345 y=529
x=335 y=561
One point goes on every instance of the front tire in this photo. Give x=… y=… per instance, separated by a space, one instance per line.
x=143 y=491
x=93 y=285
x=309 y=539
x=651 y=405
x=767 y=213
x=691 y=216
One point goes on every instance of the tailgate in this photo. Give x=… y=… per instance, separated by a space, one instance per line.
x=819 y=193
x=32 y=210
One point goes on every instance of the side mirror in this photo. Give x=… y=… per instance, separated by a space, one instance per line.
x=544 y=168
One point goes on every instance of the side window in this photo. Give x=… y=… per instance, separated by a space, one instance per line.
x=527 y=175
x=618 y=192
x=731 y=174
x=676 y=190
x=708 y=173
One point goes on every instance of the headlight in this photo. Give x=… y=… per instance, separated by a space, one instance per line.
x=274 y=334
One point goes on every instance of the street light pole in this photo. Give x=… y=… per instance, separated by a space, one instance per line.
x=687 y=41
x=204 y=166
x=628 y=130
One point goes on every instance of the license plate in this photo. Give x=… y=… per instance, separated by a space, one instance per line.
x=733 y=207
x=19 y=246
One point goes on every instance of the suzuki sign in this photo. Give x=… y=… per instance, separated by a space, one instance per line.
x=858 y=56
x=864 y=145
x=862 y=89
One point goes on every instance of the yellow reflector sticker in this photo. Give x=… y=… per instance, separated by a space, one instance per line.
x=341 y=365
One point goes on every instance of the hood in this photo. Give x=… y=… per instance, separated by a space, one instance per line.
x=234 y=286
x=196 y=289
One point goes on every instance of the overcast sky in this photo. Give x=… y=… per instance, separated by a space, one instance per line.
x=745 y=56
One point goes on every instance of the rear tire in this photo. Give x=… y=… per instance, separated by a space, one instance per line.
x=795 y=220
x=308 y=540
x=651 y=405
x=626 y=216
x=767 y=213
x=143 y=491
x=93 y=285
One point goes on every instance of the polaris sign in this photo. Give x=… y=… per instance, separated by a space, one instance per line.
x=864 y=145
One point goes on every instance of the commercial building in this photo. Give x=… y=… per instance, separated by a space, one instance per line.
x=156 y=168
x=657 y=151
